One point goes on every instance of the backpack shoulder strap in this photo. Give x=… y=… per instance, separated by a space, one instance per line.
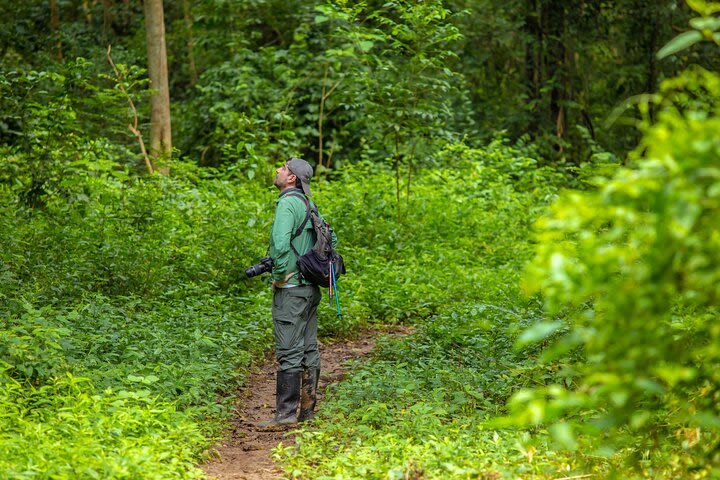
x=302 y=225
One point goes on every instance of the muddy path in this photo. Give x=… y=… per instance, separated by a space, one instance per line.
x=245 y=453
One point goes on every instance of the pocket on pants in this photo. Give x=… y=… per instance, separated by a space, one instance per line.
x=289 y=306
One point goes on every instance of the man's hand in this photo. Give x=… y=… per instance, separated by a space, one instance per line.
x=277 y=284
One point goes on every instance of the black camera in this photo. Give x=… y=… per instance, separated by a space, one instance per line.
x=265 y=265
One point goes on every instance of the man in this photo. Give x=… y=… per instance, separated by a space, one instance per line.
x=295 y=301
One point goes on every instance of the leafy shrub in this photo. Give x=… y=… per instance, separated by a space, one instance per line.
x=420 y=409
x=456 y=222
x=634 y=266
x=67 y=429
x=31 y=346
x=135 y=282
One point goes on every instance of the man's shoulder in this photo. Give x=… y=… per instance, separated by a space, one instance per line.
x=295 y=201
x=293 y=197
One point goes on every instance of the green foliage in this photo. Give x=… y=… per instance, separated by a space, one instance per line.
x=67 y=429
x=354 y=82
x=420 y=409
x=125 y=322
x=133 y=237
x=633 y=267
x=133 y=283
x=247 y=75
x=31 y=346
x=705 y=27
x=458 y=221
x=49 y=128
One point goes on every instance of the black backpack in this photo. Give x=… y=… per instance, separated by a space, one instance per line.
x=322 y=262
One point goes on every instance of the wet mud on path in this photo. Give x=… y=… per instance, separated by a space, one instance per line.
x=245 y=452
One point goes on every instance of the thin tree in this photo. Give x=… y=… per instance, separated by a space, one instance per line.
x=55 y=27
x=160 y=132
x=187 y=14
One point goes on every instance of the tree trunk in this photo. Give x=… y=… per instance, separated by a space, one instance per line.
x=160 y=133
x=397 y=175
x=652 y=47
x=554 y=25
x=55 y=26
x=533 y=41
x=187 y=14
x=107 y=18
x=320 y=115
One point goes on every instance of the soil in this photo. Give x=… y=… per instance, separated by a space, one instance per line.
x=245 y=453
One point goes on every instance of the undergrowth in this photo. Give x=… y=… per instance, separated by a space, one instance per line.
x=422 y=408
x=127 y=324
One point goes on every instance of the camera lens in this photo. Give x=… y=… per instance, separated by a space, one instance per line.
x=265 y=265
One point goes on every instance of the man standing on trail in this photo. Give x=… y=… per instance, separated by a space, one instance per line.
x=295 y=301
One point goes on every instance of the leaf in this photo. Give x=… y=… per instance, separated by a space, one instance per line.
x=681 y=42
x=365 y=45
x=705 y=23
x=562 y=433
x=649 y=386
x=538 y=332
x=703 y=7
x=697 y=5
x=150 y=379
x=705 y=419
x=321 y=18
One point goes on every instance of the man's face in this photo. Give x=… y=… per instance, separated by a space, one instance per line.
x=284 y=177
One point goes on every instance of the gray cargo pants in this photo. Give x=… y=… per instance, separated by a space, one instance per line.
x=294 y=312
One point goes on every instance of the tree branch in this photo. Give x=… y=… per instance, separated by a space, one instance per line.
x=133 y=127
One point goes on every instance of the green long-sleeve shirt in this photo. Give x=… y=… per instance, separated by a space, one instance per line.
x=289 y=215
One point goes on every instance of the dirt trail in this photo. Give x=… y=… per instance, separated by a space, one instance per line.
x=245 y=453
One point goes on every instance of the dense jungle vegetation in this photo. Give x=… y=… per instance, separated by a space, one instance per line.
x=533 y=184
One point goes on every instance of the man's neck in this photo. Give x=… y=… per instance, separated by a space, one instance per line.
x=288 y=188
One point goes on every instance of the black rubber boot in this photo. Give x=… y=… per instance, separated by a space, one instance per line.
x=308 y=394
x=287 y=398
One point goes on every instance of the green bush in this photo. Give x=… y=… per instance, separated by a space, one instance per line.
x=67 y=429
x=420 y=409
x=633 y=267
x=134 y=284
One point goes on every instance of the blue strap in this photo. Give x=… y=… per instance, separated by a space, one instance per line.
x=337 y=297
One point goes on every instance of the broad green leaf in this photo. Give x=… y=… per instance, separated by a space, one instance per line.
x=697 y=5
x=365 y=45
x=538 y=332
x=705 y=23
x=563 y=434
x=640 y=418
x=674 y=374
x=681 y=42
x=150 y=379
